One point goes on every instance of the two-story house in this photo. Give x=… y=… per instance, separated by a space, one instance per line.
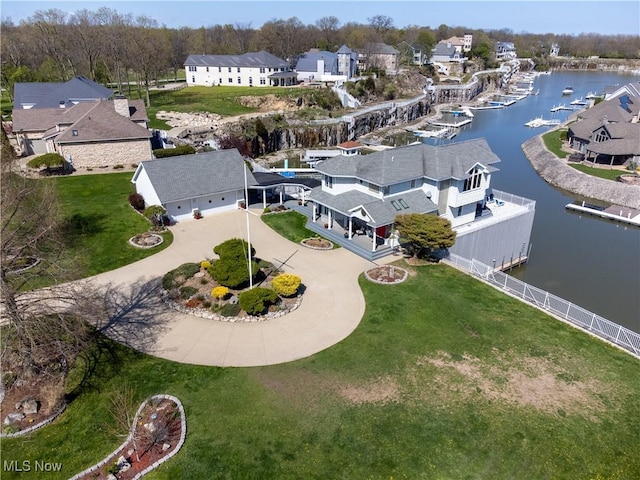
x=364 y=194
x=380 y=56
x=253 y=69
x=506 y=51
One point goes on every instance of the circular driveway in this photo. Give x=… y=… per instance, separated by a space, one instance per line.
x=331 y=309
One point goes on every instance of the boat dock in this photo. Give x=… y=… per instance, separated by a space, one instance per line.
x=613 y=212
x=541 y=122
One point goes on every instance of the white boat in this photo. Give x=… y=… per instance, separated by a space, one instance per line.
x=541 y=122
x=567 y=91
x=591 y=96
x=579 y=102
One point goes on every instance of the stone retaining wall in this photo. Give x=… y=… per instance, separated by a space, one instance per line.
x=557 y=173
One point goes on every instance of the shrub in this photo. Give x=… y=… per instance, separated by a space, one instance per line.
x=172 y=152
x=137 y=201
x=154 y=213
x=47 y=160
x=234 y=247
x=220 y=292
x=232 y=273
x=286 y=284
x=186 y=292
x=177 y=276
x=257 y=300
x=205 y=264
x=193 y=303
x=230 y=310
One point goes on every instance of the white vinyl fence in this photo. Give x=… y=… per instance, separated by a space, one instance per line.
x=588 y=321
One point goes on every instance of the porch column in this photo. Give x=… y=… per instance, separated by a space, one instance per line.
x=264 y=199
x=281 y=190
x=611 y=164
x=313 y=217
x=350 y=228
x=373 y=237
x=330 y=218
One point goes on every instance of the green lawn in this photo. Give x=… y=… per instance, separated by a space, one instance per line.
x=99 y=223
x=221 y=100
x=445 y=378
x=291 y=225
x=553 y=142
x=599 y=172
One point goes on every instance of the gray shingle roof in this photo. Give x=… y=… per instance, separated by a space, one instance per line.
x=192 y=176
x=381 y=49
x=444 y=50
x=250 y=59
x=401 y=164
x=51 y=95
x=381 y=212
x=308 y=62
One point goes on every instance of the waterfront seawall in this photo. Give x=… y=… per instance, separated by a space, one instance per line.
x=558 y=174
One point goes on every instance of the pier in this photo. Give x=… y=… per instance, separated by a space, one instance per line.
x=613 y=212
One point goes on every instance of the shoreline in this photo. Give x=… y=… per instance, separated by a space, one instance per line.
x=560 y=175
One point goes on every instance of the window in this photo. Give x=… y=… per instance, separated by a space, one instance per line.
x=396 y=205
x=374 y=188
x=74 y=133
x=601 y=136
x=263 y=81
x=416 y=182
x=328 y=181
x=250 y=80
x=459 y=211
x=207 y=69
x=219 y=69
x=238 y=69
x=229 y=69
x=220 y=81
x=385 y=190
x=403 y=203
x=262 y=69
x=193 y=79
x=230 y=80
x=239 y=80
x=473 y=181
x=192 y=68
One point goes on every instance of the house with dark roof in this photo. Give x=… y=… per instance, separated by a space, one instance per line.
x=58 y=94
x=505 y=51
x=253 y=69
x=365 y=193
x=88 y=134
x=446 y=53
x=608 y=133
x=209 y=182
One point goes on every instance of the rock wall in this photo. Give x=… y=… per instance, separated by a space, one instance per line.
x=563 y=176
x=594 y=64
x=331 y=134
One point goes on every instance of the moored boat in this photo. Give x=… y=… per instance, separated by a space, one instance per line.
x=567 y=91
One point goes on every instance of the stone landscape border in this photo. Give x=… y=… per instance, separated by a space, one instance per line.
x=117 y=451
x=208 y=314
x=330 y=247
x=46 y=421
x=404 y=271
x=150 y=234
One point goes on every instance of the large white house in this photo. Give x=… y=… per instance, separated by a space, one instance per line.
x=364 y=194
x=253 y=69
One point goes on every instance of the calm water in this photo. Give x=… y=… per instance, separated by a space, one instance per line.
x=590 y=262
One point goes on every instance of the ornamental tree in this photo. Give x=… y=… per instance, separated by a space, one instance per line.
x=425 y=232
x=48 y=160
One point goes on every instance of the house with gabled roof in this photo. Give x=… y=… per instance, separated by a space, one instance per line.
x=608 y=133
x=446 y=53
x=364 y=194
x=252 y=69
x=209 y=182
x=88 y=134
x=380 y=56
x=58 y=94
x=322 y=65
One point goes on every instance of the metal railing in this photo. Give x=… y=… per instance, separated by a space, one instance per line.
x=574 y=314
x=515 y=199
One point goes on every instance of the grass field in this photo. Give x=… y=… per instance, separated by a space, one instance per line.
x=600 y=172
x=291 y=225
x=445 y=378
x=553 y=142
x=100 y=223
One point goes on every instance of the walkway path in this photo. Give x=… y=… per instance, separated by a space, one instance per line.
x=331 y=309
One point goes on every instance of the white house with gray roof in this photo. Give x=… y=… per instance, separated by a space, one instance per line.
x=210 y=182
x=365 y=193
x=253 y=69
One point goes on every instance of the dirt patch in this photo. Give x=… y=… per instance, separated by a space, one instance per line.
x=387 y=274
x=268 y=103
x=383 y=390
x=529 y=382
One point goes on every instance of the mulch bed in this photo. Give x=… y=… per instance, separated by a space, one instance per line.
x=388 y=274
x=317 y=243
x=158 y=431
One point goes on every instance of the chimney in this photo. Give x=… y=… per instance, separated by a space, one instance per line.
x=61 y=104
x=121 y=105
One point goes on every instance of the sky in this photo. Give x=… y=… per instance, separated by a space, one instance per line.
x=520 y=16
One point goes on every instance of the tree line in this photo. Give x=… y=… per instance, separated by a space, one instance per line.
x=115 y=48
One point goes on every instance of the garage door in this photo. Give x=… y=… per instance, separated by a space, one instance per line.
x=36 y=147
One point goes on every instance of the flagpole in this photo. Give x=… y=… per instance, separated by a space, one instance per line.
x=246 y=210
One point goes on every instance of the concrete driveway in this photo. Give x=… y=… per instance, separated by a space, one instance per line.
x=331 y=309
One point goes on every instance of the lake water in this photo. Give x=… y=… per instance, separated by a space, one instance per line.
x=590 y=262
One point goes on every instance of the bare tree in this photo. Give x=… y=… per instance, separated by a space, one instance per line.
x=381 y=24
x=328 y=27
x=244 y=33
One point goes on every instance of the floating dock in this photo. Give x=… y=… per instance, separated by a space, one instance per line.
x=613 y=212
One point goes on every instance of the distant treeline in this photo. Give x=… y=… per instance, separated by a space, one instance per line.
x=111 y=47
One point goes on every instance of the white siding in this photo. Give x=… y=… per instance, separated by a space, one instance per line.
x=222 y=76
x=144 y=187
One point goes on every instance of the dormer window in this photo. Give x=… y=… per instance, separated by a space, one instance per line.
x=74 y=133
